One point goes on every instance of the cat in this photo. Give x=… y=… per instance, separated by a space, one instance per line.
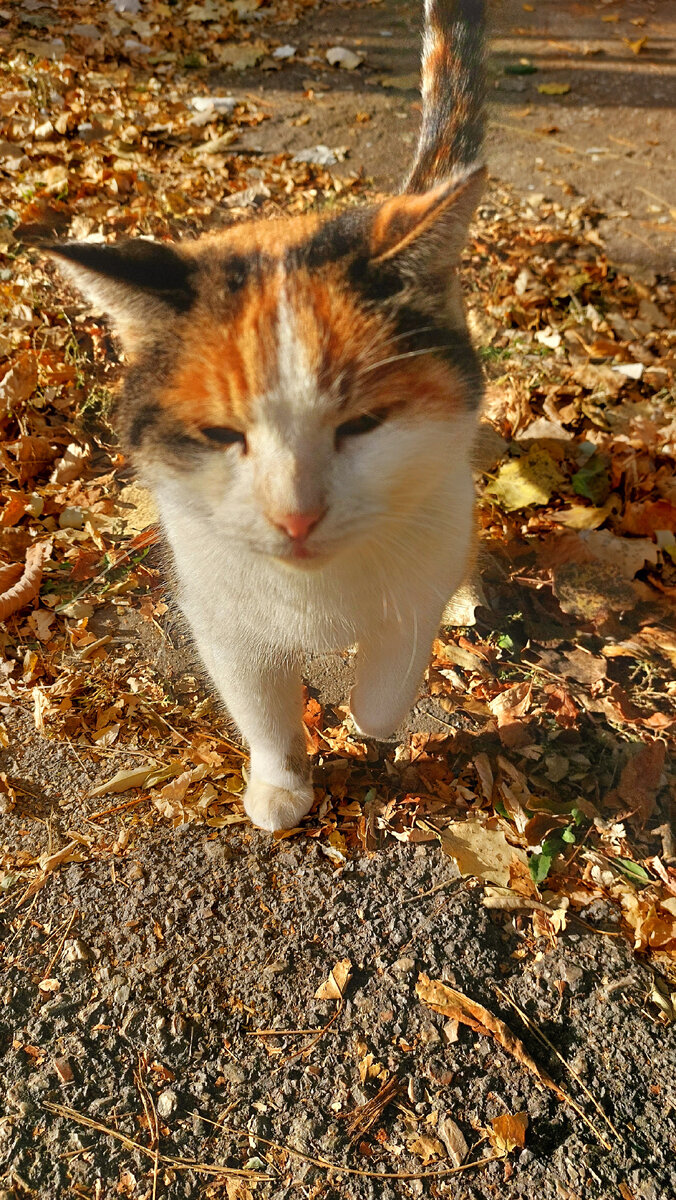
x=302 y=399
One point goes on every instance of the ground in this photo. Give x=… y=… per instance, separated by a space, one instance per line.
x=508 y=860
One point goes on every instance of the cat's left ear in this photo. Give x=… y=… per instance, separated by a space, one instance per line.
x=432 y=223
x=139 y=283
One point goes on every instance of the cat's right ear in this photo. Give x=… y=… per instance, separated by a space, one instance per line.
x=139 y=283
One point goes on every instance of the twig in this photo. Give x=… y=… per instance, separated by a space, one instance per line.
x=311 y=1045
x=438 y=887
x=60 y=945
x=362 y=1118
x=332 y=1166
x=282 y=1032
x=185 y=1164
x=108 y=812
x=550 y=1045
x=151 y=1117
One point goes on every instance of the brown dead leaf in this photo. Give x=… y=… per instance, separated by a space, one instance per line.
x=427 y=1148
x=451 y=1003
x=238 y=1189
x=71 y=465
x=645 y=518
x=19 y=382
x=333 y=988
x=479 y=851
x=28 y=457
x=639 y=782
x=146 y=776
x=561 y=703
x=636 y=46
x=26 y=588
x=14 y=510
x=508 y=1132
x=591 y=591
x=508 y=708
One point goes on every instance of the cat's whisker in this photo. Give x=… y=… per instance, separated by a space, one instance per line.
x=384 y=362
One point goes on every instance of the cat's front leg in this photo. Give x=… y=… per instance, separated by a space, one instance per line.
x=265 y=700
x=390 y=664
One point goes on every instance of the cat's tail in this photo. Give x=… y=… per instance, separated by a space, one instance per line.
x=453 y=89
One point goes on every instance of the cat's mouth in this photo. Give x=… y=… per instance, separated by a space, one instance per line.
x=302 y=557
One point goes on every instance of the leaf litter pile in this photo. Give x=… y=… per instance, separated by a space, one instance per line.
x=547 y=777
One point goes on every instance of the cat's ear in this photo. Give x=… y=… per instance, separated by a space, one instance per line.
x=139 y=284
x=432 y=223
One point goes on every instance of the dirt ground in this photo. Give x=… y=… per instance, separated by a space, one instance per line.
x=173 y=957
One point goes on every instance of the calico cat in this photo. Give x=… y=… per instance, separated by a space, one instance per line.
x=302 y=400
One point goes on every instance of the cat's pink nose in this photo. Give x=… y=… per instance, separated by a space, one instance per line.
x=297 y=525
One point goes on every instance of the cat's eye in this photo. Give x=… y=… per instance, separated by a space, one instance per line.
x=359 y=425
x=221 y=435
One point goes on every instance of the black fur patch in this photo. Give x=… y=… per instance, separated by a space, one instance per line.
x=415 y=332
x=152 y=267
x=336 y=239
x=141 y=422
x=240 y=269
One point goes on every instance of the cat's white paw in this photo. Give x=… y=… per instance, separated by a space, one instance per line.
x=271 y=807
x=373 y=719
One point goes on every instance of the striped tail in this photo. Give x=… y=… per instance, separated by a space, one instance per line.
x=451 y=135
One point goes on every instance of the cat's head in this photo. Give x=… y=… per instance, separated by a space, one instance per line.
x=301 y=383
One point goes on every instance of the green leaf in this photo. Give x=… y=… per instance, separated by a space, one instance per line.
x=539 y=865
x=632 y=871
x=592 y=480
x=505 y=642
x=568 y=835
x=520 y=68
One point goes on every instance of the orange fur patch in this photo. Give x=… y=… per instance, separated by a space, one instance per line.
x=228 y=361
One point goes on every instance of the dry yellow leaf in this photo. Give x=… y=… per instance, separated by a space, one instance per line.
x=637 y=46
x=334 y=987
x=427 y=1148
x=479 y=851
x=508 y=1132
x=451 y=1003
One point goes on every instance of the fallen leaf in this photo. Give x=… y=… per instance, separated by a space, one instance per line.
x=479 y=851
x=587 y=516
x=240 y=58
x=333 y=988
x=508 y=1132
x=592 y=480
x=530 y=479
x=553 y=89
x=238 y=1189
x=461 y=608
x=70 y=465
x=427 y=1148
x=137 y=508
x=637 y=46
x=20 y=381
x=27 y=586
x=508 y=708
x=146 y=776
x=640 y=780
x=591 y=591
x=451 y=1003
